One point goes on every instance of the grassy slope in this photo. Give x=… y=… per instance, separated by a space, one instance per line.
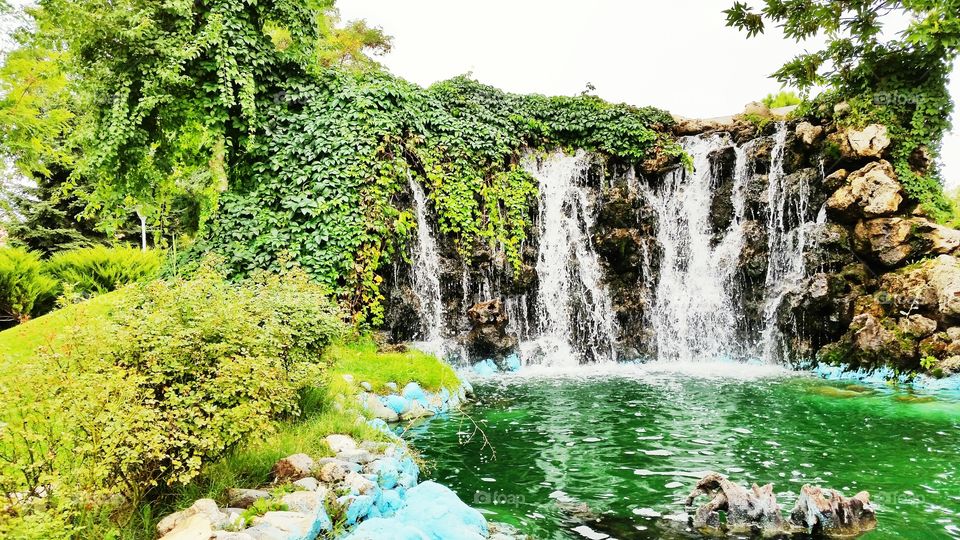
x=327 y=410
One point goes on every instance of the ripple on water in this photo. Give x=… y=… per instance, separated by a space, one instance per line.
x=756 y=430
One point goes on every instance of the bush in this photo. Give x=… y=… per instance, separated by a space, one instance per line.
x=183 y=371
x=97 y=270
x=782 y=99
x=24 y=290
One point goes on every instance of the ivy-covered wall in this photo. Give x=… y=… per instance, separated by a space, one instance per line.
x=320 y=186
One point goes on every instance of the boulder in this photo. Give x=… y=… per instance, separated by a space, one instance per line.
x=293 y=467
x=917 y=326
x=944 y=275
x=488 y=336
x=887 y=241
x=834 y=180
x=808 y=133
x=355 y=456
x=872 y=191
x=378 y=409
x=334 y=471
x=745 y=509
x=309 y=483
x=340 y=443
x=882 y=340
x=359 y=484
x=869 y=142
x=827 y=512
x=202 y=516
x=244 y=498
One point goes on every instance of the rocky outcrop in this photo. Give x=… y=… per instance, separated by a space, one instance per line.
x=489 y=336
x=872 y=191
x=820 y=512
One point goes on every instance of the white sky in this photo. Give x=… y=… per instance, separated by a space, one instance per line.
x=677 y=55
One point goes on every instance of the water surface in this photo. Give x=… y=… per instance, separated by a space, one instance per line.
x=551 y=452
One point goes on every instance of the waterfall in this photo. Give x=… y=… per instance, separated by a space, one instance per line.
x=694 y=316
x=786 y=242
x=574 y=313
x=426 y=274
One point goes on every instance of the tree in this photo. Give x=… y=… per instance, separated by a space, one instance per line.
x=899 y=81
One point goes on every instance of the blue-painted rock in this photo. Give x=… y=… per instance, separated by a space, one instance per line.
x=380 y=528
x=396 y=403
x=413 y=392
x=358 y=506
x=387 y=471
x=485 y=368
x=512 y=363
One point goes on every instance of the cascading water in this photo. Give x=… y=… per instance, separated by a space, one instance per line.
x=694 y=315
x=786 y=243
x=426 y=274
x=574 y=313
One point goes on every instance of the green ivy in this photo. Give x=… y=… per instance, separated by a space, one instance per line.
x=324 y=180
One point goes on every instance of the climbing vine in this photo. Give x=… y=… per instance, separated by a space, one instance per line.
x=325 y=182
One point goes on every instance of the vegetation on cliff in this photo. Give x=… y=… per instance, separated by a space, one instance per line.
x=870 y=77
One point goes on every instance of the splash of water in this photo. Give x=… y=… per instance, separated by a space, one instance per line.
x=694 y=316
x=574 y=312
x=426 y=274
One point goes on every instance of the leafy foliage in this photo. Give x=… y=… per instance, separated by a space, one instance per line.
x=97 y=270
x=24 y=290
x=183 y=371
x=899 y=82
x=782 y=99
x=342 y=148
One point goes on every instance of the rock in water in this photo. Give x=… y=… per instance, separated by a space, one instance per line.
x=828 y=512
x=489 y=336
x=745 y=509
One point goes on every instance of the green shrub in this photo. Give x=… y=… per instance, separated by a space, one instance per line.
x=24 y=290
x=782 y=99
x=97 y=270
x=184 y=371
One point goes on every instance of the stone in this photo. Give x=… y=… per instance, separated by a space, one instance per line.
x=488 y=335
x=827 y=512
x=366 y=386
x=756 y=108
x=387 y=471
x=808 y=133
x=885 y=240
x=356 y=456
x=417 y=411
x=244 y=498
x=340 y=443
x=869 y=142
x=294 y=525
x=348 y=378
x=944 y=275
x=834 y=180
x=334 y=471
x=206 y=508
x=392 y=386
x=745 y=509
x=305 y=502
x=195 y=527
x=917 y=326
x=397 y=403
x=229 y=535
x=379 y=410
x=485 y=368
x=877 y=337
x=359 y=484
x=413 y=392
x=950 y=366
x=309 y=483
x=293 y=467
x=872 y=191
x=841 y=109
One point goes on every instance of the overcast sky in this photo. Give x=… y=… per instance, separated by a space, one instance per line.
x=677 y=54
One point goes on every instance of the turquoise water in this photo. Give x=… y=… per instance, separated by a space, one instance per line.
x=619 y=454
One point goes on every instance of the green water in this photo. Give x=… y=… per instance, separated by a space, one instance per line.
x=630 y=447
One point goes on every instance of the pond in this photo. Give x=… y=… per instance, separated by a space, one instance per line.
x=549 y=453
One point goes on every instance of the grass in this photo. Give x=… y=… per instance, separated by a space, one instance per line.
x=361 y=359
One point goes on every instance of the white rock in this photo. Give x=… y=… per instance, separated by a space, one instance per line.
x=195 y=527
x=309 y=483
x=379 y=410
x=340 y=443
x=305 y=502
x=870 y=141
x=203 y=507
x=366 y=386
x=293 y=524
x=358 y=484
x=293 y=467
x=356 y=456
x=334 y=471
